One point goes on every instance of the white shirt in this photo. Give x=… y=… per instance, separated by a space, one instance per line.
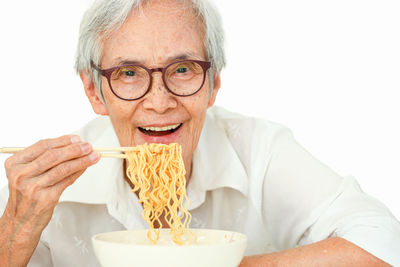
x=249 y=175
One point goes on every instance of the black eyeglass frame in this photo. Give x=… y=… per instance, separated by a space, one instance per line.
x=108 y=72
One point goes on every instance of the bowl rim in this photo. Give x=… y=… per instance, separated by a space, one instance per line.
x=242 y=239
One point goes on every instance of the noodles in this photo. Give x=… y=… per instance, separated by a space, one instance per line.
x=157 y=173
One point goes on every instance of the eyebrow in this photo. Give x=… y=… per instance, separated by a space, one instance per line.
x=183 y=57
x=120 y=61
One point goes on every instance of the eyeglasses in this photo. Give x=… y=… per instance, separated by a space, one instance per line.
x=131 y=82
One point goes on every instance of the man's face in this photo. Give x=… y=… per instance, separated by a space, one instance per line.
x=163 y=33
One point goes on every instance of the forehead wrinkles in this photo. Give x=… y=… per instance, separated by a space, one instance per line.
x=174 y=11
x=179 y=13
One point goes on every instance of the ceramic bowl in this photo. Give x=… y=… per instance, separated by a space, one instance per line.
x=214 y=248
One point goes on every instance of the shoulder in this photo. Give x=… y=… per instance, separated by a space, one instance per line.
x=99 y=132
x=254 y=140
x=94 y=127
x=250 y=132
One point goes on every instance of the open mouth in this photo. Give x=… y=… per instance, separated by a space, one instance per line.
x=160 y=131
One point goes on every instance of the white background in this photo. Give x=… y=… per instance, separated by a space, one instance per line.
x=329 y=70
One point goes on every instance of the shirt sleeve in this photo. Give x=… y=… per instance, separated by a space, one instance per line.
x=3 y=199
x=41 y=256
x=305 y=202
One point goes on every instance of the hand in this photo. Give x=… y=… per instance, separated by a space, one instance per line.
x=37 y=176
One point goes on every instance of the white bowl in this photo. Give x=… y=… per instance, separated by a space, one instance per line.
x=214 y=248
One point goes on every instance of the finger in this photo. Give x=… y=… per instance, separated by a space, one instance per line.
x=31 y=153
x=66 y=169
x=24 y=177
x=52 y=158
x=52 y=194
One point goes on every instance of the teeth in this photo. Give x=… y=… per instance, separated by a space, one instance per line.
x=159 y=129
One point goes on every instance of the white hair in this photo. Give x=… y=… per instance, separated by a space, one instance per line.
x=106 y=16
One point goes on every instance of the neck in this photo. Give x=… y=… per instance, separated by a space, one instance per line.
x=188 y=168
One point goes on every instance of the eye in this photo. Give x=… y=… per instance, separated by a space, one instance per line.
x=128 y=72
x=182 y=70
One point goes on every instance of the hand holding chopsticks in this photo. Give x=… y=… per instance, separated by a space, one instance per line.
x=37 y=176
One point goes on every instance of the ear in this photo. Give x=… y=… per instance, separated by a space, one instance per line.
x=217 y=85
x=93 y=94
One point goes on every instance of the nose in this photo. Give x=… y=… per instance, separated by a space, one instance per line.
x=159 y=99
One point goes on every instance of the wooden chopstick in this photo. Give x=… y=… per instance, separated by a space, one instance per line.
x=11 y=150
x=108 y=151
x=115 y=149
x=113 y=155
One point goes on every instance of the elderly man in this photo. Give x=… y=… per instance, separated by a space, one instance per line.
x=152 y=68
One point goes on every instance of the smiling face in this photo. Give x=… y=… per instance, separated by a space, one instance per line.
x=161 y=33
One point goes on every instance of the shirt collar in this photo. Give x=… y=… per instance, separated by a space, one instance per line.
x=215 y=165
